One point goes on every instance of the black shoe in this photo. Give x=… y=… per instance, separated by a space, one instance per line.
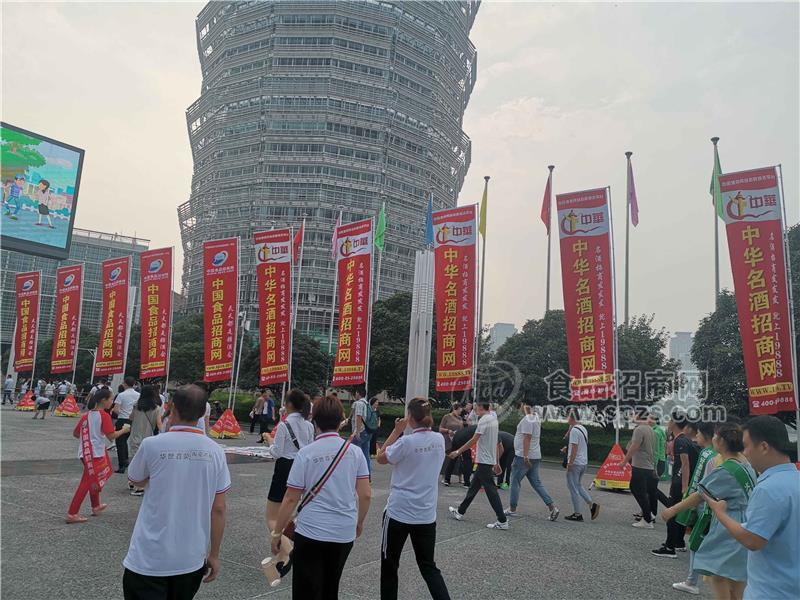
x=574 y=517
x=681 y=548
x=637 y=516
x=595 y=510
x=284 y=568
x=665 y=552
x=120 y=470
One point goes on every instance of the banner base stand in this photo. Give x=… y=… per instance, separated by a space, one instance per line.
x=611 y=476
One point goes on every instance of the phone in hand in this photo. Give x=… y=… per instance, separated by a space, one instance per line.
x=704 y=490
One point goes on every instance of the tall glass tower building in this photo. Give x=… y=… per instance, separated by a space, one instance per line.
x=309 y=107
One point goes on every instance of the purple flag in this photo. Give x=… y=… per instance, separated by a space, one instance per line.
x=633 y=205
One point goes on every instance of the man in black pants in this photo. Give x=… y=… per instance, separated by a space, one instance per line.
x=122 y=408
x=488 y=451
x=644 y=484
x=684 y=457
x=506 y=459
x=465 y=462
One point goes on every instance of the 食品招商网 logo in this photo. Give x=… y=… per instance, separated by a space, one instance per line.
x=114 y=275
x=220 y=258
x=155 y=266
x=68 y=280
x=27 y=285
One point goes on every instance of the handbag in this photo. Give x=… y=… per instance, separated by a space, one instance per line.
x=703 y=524
x=689 y=517
x=312 y=493
x=565 y=460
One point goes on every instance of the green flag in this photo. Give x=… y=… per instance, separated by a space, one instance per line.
x=380 y=228
x=714 y=190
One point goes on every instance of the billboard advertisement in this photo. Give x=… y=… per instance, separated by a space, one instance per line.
x=40 y=179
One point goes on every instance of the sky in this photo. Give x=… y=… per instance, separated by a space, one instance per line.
x=574 y=85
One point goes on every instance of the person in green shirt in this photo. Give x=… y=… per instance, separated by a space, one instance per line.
x=660 y=450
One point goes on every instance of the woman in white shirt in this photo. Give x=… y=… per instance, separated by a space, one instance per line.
x=413 y=493
x=294 y=433
x=331 y=515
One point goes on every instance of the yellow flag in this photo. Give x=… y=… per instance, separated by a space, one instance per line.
x=482 y=223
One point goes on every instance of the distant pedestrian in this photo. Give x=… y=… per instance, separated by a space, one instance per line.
x=487 y=456
x=42 y=405
x=145 y=422
x=92 y=431
x=450 y=424
x=358 y=423
x=577 y=461
x=374 y=418
x=770 y=530
x=413 y=493
x=8 y=390
x=122 y=409
x=644 y=481
x=464 y=462
x=527 y=458
x=179 y=528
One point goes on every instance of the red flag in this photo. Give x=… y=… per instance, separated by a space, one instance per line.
x=156 y=315
x=274 y=278
x=69 y=283
x=546 y=201
x=633 y=204
x=111 y=350
x=221 y=303
x=297 y=242
x=28 y=288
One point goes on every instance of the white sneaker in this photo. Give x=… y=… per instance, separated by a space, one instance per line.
x=686 y=587
x=643 y=524
x=554 y=514
x=497 y=525
x=511 y=513
x=454 y=513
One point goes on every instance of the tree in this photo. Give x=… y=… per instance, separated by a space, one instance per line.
x=186 y=358
x=388 y=358
x=646 y=374
x=134 y=361
x=17 y=153
x=309 y=364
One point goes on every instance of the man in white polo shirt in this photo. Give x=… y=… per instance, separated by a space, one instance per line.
x=487 y=458
x=179 y=528
x=122 y=408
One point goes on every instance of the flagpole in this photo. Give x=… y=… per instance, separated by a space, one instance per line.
x=715 y=140
x=333 y=298
x=792 y=333
x=296 y=299
x=549 y=222
x=380 y=258
x=483 y=274
x=627 y=235
x=614 y=316
x=78 y=333
x=369 y=318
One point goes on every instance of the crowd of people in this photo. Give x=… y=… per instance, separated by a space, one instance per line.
x=733 y=501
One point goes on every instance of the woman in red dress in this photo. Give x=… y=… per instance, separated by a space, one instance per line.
x=93 y=429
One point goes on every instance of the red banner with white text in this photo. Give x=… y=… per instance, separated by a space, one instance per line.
x=753 y=220
x=354 y=267
x=156 y=311
x=454 y=295
x=588 y=284
x=28 y=288
x=110 y=358
x=69 y=289
x=274 y=279
x=220 y=306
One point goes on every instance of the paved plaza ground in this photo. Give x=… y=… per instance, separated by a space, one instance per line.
x=43 y=558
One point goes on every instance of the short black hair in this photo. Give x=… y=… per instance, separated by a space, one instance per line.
x=485 y=405
x=299 y=401
x=678 y=417
x=360 y=390
x=574 y=413
x=189 y=401
x=706 y=429
x=130 y=381
x=769 y=429
x=328 y=413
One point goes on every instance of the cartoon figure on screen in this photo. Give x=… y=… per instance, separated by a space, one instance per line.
x=13 y=195
x=43 y=199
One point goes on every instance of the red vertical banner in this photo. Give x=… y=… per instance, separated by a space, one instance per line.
x=155 y=274
x=454 y=232
x=111 y=348
x=754 y=224
x=354 y=265
x=274 y=279
x=584 y=229
x=28 y=288
x=69 y=290
x=220 y=306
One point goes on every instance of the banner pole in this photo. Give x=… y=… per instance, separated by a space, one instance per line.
x=38 y=319
x=380 y=258
x=627 y=237
x=238 y=331
x=296 y=299
x=78 y=333
x=333 y=299
x=369 y=316
x=715 y=140
x=614 y=315
x=479 y=332
x=171 y=310
x=792 y=333
x=549 y=243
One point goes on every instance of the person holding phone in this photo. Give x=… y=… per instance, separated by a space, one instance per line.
x=720 y=556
